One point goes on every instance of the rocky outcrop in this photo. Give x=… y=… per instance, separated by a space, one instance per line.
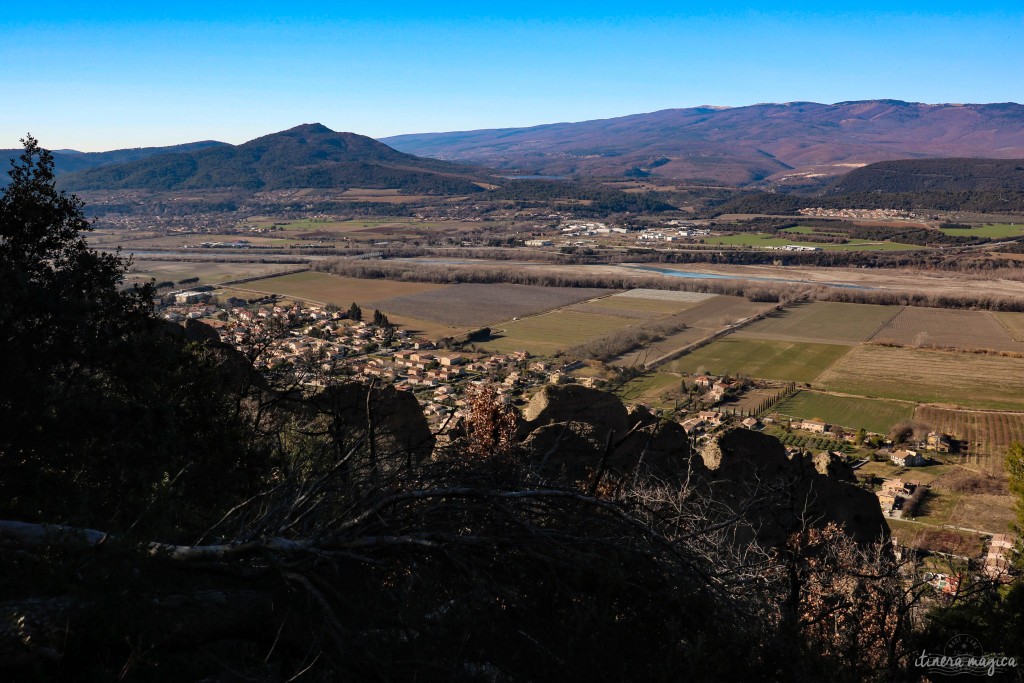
x=574 y=431
x=789 y=492
x=392 y=418
x=571 y=431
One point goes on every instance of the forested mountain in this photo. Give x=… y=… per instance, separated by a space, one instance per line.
x=791 y=141
x=307 y=156
x=959 y=184
x=70 y=160
x=934 y=175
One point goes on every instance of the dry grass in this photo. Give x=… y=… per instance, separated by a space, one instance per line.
x=985 y=512
x=947 y=328
x=1014 y=324
x=822 y=321
x=927 y=376
x=962 y=543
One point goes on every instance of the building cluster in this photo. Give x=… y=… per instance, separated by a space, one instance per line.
x=793 y=247
x=874 y=214
x=316 y=343
x=894 y=493
x=670 y=234
x=716 y=389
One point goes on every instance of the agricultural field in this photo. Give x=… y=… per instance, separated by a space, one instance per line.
x=911 y=535
x=702 y=320
x=983 y=511
x=750 y=400
x=323 y=288
x=874 y=415
x=644 y=304
x=1014 y=324
x=822 y=321
x=995 y=230
x=208 y=272
x=656 y=349
x=649 y=388
x=947 y=328
x=598 y=306
x=195 y=241
x=665 y=295
x=765 y=240
x=475 y=305
x=928 y=376
x=988 y=434
x=760 y=358
x=543 y=335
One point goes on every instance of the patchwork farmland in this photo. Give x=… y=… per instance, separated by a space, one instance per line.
x=475 y=305
x=946 y=328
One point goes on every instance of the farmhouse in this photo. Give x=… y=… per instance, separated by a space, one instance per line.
x=816 y=426
x=907 y=458
x=997 y=561
x=711 y=417
x=887 y=501
x=694 y=424
x=898 y=487
x=939 y=442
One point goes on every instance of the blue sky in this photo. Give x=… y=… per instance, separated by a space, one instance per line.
x=131 y=74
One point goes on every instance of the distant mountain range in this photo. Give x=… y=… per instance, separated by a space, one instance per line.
x=794 y=143
x=69 y=160
x=307 y=156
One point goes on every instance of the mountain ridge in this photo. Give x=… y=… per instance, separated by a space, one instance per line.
x=306 y=156
x=795 y=141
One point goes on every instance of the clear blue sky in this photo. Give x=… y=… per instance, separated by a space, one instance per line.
x=142 y=74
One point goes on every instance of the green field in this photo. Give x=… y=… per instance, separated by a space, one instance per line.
x=647 y=388
x=874 y=415
x=822 y=321
x=993 y=230
x=765 y=359
x=970 y=380
x=557 y=331
x=763 y=240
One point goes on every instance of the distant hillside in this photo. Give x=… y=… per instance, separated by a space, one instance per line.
x=69 y=160
x=933 y=175
x=307 y=156
x=792 y=142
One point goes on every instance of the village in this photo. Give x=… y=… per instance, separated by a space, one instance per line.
x=314 y=344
